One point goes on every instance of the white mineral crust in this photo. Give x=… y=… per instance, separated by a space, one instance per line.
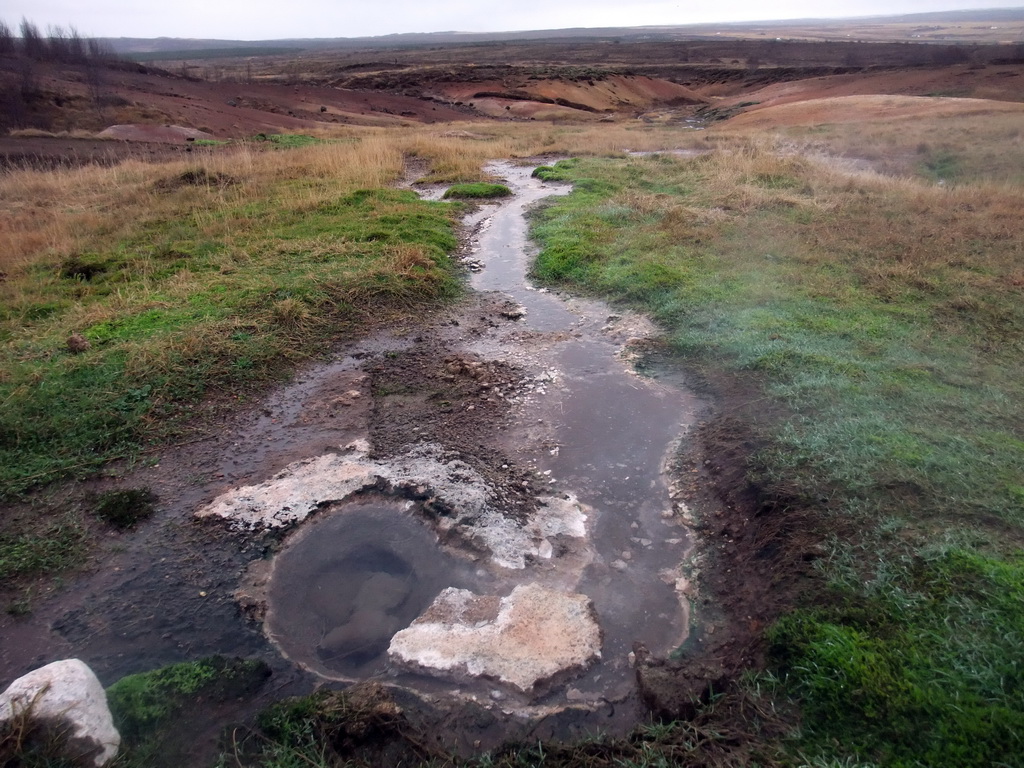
x=533 y=635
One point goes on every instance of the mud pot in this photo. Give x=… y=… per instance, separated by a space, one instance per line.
x=473 y=508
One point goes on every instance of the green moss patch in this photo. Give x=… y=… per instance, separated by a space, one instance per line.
x=476 y=191
x=157 y=713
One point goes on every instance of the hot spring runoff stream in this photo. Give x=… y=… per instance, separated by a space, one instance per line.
x=526 y=610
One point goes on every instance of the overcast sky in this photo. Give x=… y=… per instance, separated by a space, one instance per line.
x=275 y=19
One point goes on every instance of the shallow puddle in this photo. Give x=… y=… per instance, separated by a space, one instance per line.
x=603 y=433
x=350 y=579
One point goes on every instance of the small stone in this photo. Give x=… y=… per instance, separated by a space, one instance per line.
x=619 y=565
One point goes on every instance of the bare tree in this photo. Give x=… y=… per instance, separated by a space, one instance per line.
x=57 y=44
x=98 y=50
x=32 y=44
x=7 y=46
x=76 y=46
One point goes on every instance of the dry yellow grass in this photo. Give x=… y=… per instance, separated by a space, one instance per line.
x=60 y=212
x=969 y=140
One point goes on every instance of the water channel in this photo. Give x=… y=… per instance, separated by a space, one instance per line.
x=596 y=433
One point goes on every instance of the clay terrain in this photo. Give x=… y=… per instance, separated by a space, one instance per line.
x=156 y=109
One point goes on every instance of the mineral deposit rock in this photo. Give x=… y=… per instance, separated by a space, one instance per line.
x=524 y=640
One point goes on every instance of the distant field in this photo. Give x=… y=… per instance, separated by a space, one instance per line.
x=203 y=54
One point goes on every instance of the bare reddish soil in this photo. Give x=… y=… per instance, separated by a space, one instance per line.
x=557 y=80
x=61 y=99
x=998 y=83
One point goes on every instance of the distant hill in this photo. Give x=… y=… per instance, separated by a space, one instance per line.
x=164 y=48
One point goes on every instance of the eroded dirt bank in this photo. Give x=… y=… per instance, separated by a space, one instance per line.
x=497 y=452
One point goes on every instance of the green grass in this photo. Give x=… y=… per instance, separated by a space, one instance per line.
x=941 y=165
x=923 y=671
x=287 y=140
x=476 y=191
x=156 y=712
x=560 y=172
x=881 y=323
x=214 y=301
x=46 y=545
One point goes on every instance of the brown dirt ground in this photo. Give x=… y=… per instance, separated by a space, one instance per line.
x=851 y=109
x=53 y=152
x=135 y=94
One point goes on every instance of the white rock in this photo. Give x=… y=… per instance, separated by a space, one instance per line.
x=65 y=696
x=523 y=640
x=293 y=494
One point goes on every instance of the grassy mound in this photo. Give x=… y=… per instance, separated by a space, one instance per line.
x=879 y=322
x=104 y=350
x=476 y=191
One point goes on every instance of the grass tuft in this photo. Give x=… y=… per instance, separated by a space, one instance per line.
x=124 y=508
x=476 y=191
